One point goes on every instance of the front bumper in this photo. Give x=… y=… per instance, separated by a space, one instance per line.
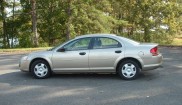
x=24 y=65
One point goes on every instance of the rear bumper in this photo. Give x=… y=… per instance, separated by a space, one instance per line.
x=156 y=62
x=151 y=67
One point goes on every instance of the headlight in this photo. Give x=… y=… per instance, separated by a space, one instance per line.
x=25 y=57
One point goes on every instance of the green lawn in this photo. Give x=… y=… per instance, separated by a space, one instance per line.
x=23 y=50
x=177 y=41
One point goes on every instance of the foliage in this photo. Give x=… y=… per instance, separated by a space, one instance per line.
x=59 y=20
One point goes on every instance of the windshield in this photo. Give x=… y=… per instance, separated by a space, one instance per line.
x=58 y=45
x=55 y=46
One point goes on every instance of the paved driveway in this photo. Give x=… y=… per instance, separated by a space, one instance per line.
x=162 y=86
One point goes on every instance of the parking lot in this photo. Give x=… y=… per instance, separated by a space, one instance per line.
x=162 y=86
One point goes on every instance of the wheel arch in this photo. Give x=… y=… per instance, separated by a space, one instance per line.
x=35 y=59
x=129 y=58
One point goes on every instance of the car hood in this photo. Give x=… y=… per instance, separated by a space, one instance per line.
x=37 y=52
x=40 y=52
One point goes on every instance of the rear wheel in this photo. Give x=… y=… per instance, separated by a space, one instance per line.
x=40 y=69
x=128 y=70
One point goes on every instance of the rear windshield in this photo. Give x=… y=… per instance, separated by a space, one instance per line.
x=129 y=40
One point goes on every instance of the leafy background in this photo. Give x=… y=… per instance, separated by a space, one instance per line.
x=157 y=21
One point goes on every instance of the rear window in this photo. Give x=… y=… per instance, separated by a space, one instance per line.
x=129 y=40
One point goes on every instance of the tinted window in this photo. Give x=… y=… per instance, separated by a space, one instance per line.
x=105 y=43
x=80 y=44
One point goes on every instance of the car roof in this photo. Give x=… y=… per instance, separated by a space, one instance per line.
x=123 y=39
x=95 y=35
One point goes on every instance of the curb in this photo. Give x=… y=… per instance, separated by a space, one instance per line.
x=170 y=46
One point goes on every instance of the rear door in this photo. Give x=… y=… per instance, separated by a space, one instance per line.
x=104 y=54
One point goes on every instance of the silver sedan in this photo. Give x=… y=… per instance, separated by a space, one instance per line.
x=95 y=53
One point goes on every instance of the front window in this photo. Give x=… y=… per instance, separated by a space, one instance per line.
x=80 y=44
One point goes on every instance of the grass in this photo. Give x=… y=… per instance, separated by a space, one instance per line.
x=23 y=50
x=177 y=42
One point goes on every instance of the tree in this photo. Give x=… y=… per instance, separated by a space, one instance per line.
x=3 y=18
x=63 y=20
x=69 y=21
x=148 y=16
x=34 y=24
x=48 y=22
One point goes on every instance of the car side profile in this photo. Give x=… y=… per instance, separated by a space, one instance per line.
x=94 y=53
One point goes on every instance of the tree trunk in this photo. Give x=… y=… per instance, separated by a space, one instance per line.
x=69 y=20
x=13 y=27
x=146 y=34
x=2 y=2
x=120 y=28
x=34 y=24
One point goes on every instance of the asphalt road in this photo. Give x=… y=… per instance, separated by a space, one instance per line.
x=162 y=86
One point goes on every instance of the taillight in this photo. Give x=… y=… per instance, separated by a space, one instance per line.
x=154 y=51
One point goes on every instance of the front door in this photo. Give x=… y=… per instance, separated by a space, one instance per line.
x=74 y=58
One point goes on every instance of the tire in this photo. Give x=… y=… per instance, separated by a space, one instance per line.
x=40 y=69
x=128 y=70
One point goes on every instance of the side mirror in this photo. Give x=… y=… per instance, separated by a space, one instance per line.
x=62 y=50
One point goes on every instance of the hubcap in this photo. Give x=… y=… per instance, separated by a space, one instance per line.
x=40 y=70
x=128 y=70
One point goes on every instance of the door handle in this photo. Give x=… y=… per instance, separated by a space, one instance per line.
x=82 y=53
x=118 y=51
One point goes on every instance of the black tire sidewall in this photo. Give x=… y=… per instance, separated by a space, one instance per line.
x=119 y=71
x=33 y=66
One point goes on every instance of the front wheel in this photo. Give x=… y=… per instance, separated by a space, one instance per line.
x=40 y=69
x=128 y=70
